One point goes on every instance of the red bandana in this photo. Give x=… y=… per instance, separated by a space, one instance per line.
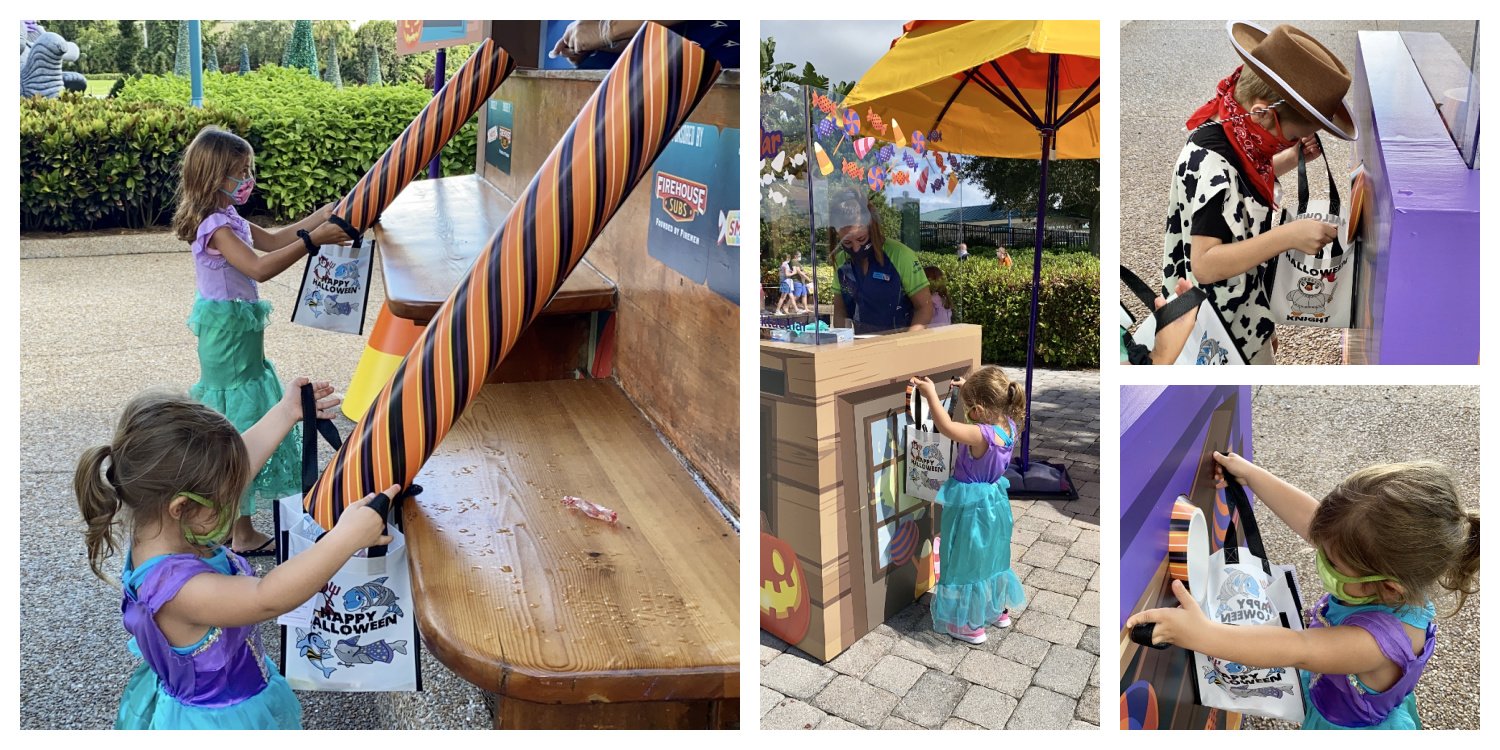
x=1253 y=143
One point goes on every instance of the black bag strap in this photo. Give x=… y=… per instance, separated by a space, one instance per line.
x=1240 y=504
x=312 y=427
x=1304 y=194
x=1175 y=308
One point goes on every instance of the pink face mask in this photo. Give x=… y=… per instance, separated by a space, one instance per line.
x=242 y=190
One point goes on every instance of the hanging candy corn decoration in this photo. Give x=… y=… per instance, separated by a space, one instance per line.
x=425 y=137
x=952 y=183
x=862 y=146
x=825 y=165
x=876 y=178
x=900 y=138
x=631 y=118
x=918 y=142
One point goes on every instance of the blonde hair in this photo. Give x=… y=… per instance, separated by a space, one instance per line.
x=164 y=444
x=877 y=235
x=1252 y=86
x=994 y=394
x=214 y=155
x=1406 y=522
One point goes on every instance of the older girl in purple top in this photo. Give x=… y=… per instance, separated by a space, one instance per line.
x=977 y=586
x=1388 y=539
x=174 y=473
x=229 y=317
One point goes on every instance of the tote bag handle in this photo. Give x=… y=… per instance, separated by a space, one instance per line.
x=1240 y=504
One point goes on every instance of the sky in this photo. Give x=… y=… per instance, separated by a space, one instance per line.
x=843 y=51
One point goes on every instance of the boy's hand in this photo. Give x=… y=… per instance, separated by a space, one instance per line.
x=1177 y=626
x=291 y=399
x=1312 y=148
x=1236 y=464
x=1308 y=236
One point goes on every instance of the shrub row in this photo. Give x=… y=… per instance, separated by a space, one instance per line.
x=90 y=163
x=999 y=299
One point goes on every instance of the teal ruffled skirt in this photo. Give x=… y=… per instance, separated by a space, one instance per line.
x=976 y=584
x=236 y=380
x=146 y=706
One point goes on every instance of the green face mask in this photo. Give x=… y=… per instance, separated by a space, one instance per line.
x=1334 y=582
x=218 y=534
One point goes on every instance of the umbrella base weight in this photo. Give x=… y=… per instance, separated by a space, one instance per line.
x=1041 y=480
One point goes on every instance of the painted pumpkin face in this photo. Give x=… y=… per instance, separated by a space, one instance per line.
x=784 y=610
x=411 y=31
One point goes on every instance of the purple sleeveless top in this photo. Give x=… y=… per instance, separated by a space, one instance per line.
x=990 y=467
x=217 y=279
x=225 y=668
x=1341 y=699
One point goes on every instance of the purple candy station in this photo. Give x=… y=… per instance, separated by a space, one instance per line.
x=1417 y=300
x=1167 y=437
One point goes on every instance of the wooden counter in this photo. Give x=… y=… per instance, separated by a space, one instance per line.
x=571 y=621
x=830 y=476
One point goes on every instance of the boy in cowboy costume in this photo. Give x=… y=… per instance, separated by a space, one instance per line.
x=1221 y=227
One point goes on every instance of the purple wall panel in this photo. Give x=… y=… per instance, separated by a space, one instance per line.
x=1419 y=286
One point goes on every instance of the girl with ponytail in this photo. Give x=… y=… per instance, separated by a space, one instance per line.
x=978 y=586
x=173 y=476
x=1390 y=539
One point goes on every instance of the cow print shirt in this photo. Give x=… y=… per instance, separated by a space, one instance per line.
x=1210 y=196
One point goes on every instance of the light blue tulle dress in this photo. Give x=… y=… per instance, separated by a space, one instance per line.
x=235 y=378
x=977 y=584
x=224 y=681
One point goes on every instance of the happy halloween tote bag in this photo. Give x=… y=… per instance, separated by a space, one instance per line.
x=1239 y=586
x=1208 y=344
x=929 y=454
x=359 y=633
x=1316 y=290
x=336 y=288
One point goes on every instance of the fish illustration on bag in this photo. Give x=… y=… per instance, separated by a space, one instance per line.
x=311 y=646
x=372 y=594
x=350 y=652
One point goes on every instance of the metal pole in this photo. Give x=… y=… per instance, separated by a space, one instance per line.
x=1048 y=134
x=439 y=76
x=195 y=61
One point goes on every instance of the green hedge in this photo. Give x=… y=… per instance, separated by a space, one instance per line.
x=999 y=299
x=312 y=143
x=90 y=162
x=104 y=76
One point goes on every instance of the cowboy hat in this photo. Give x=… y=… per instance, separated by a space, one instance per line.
x=1309 y=77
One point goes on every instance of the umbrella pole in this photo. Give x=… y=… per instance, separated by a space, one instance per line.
x=1036 y=285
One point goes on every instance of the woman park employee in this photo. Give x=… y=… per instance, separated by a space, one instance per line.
x=878 y=282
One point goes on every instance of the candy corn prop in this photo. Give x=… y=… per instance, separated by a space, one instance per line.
x=389 y=342
x=900 y=138
x=825 y=165
x=425 y=137
x=632 y=116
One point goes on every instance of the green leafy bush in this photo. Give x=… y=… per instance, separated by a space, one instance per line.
x=999 y=299
x=88 y=162
x=312 y=143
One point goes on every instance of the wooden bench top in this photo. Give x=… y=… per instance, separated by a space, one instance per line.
x=430 y=235
x=527 y=598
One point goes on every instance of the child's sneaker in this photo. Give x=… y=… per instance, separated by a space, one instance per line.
x=1004 y=621
x=972 y=635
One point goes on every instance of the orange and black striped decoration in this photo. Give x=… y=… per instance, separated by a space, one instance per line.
x=458 y=100
x=633 y=115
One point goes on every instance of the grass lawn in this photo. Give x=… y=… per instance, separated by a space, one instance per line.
x=100 y=89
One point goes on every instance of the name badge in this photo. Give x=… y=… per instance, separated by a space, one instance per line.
x=880 y=276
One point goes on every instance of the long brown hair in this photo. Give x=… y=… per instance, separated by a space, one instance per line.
x=164 y=444
x=995 y=395
x=214 y=155
x=1406 y=522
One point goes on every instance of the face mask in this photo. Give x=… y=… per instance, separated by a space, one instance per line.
x=1334 y=582
x=242 y=190
x=218 y=534
x=862 y=250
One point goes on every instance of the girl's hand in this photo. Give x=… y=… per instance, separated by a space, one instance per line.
x=1236 y=464
x=925 y=387
x=958 y=381
x=323 y=213
x=1179 y=626
x=323 y=396
x=364 y=524
x=329 y=233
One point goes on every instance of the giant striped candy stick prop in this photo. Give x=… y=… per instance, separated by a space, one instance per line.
x=627 y=123
x=459 y=99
